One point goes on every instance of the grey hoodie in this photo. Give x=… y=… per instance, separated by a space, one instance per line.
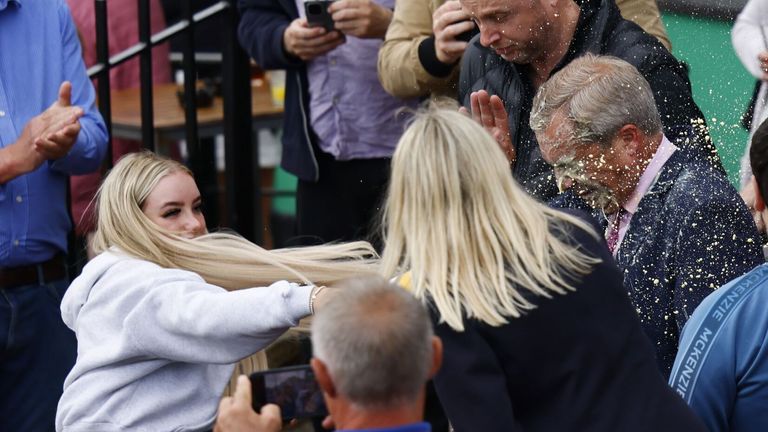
x=157 y=346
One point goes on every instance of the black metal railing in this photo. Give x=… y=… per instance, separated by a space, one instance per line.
x=243 y=193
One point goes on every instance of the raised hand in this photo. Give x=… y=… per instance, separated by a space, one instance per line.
x=489 y=111
x=49 y=135
x=448 y=22
x=61 y=126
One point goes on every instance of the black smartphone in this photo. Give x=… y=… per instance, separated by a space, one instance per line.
x=294 y=389
x=467 y=35
x=318 y=15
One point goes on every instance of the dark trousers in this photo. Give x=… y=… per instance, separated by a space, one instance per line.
x=37 y=352
x=345 y=204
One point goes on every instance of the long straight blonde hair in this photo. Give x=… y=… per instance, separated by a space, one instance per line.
x=223 y=259
x=471 y=238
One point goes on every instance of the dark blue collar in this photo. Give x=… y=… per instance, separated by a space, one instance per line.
x=414 y=427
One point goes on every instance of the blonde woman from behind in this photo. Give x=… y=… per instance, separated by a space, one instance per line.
x=165 y=310
x=538 y=331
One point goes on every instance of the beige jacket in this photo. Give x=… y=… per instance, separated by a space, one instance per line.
x=646 y=14
x=402 y=74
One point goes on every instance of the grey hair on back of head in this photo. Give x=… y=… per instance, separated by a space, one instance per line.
x=376 y=340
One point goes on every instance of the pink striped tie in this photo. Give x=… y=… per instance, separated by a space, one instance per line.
x=613 y=235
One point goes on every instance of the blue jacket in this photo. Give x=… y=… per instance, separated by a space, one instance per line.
x=691 y=234
x=721 y=369
x=261 y=29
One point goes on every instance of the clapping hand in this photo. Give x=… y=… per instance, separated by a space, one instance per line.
x=49 y=135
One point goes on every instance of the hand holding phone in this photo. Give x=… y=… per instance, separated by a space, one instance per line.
x=451 y=25
x=318 y=15
x=236 y=413
x=294 y=389
x=305 y=42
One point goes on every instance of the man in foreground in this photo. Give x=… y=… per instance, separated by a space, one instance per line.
x=374 y=351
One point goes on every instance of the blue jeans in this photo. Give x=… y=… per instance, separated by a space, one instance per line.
x=36 y=353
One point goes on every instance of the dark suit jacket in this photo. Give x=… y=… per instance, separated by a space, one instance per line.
x=690 y=235
x=577 y=362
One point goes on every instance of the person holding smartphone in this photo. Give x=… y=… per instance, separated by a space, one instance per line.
x=426 y=39
x=340 y=126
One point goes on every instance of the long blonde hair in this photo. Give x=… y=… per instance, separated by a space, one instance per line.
x=222 y=259
x=472 y=239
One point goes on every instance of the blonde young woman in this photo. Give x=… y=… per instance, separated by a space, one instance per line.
x=538 y=332
x=165 y=310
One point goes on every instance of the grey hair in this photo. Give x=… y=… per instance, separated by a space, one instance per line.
x=598 y=95
x=376 y=340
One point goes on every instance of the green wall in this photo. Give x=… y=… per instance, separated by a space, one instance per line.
x=721 y=86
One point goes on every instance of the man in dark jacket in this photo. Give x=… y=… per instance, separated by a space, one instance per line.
x=675 y=225
x=340 y=127
x=523 y=42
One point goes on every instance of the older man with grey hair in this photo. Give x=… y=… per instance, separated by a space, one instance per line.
x=676 y=226
x=374 y=351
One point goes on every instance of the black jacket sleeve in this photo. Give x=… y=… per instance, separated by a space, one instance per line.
x=261 y=29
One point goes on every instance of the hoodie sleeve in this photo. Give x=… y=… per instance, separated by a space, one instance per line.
x=192 y=321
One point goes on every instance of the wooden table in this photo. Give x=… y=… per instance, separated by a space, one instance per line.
x=169 y=114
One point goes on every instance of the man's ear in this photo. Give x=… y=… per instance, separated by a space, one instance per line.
x=437 y=356
x=759 y=201
x=323 y=377
x=631 y=139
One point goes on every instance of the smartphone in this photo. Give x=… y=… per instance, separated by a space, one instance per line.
x=294 y=389
x=467 y=35
x=318 y=15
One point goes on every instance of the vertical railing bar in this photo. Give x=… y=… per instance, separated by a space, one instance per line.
x=145 y=76
x=102 y=56
x=190 y=78
x=242 y=176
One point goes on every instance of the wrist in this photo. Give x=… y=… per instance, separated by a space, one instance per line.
x=313 y=298
x=384 y=20
x=429 y=60
x=8 y=168
x=287 y=46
